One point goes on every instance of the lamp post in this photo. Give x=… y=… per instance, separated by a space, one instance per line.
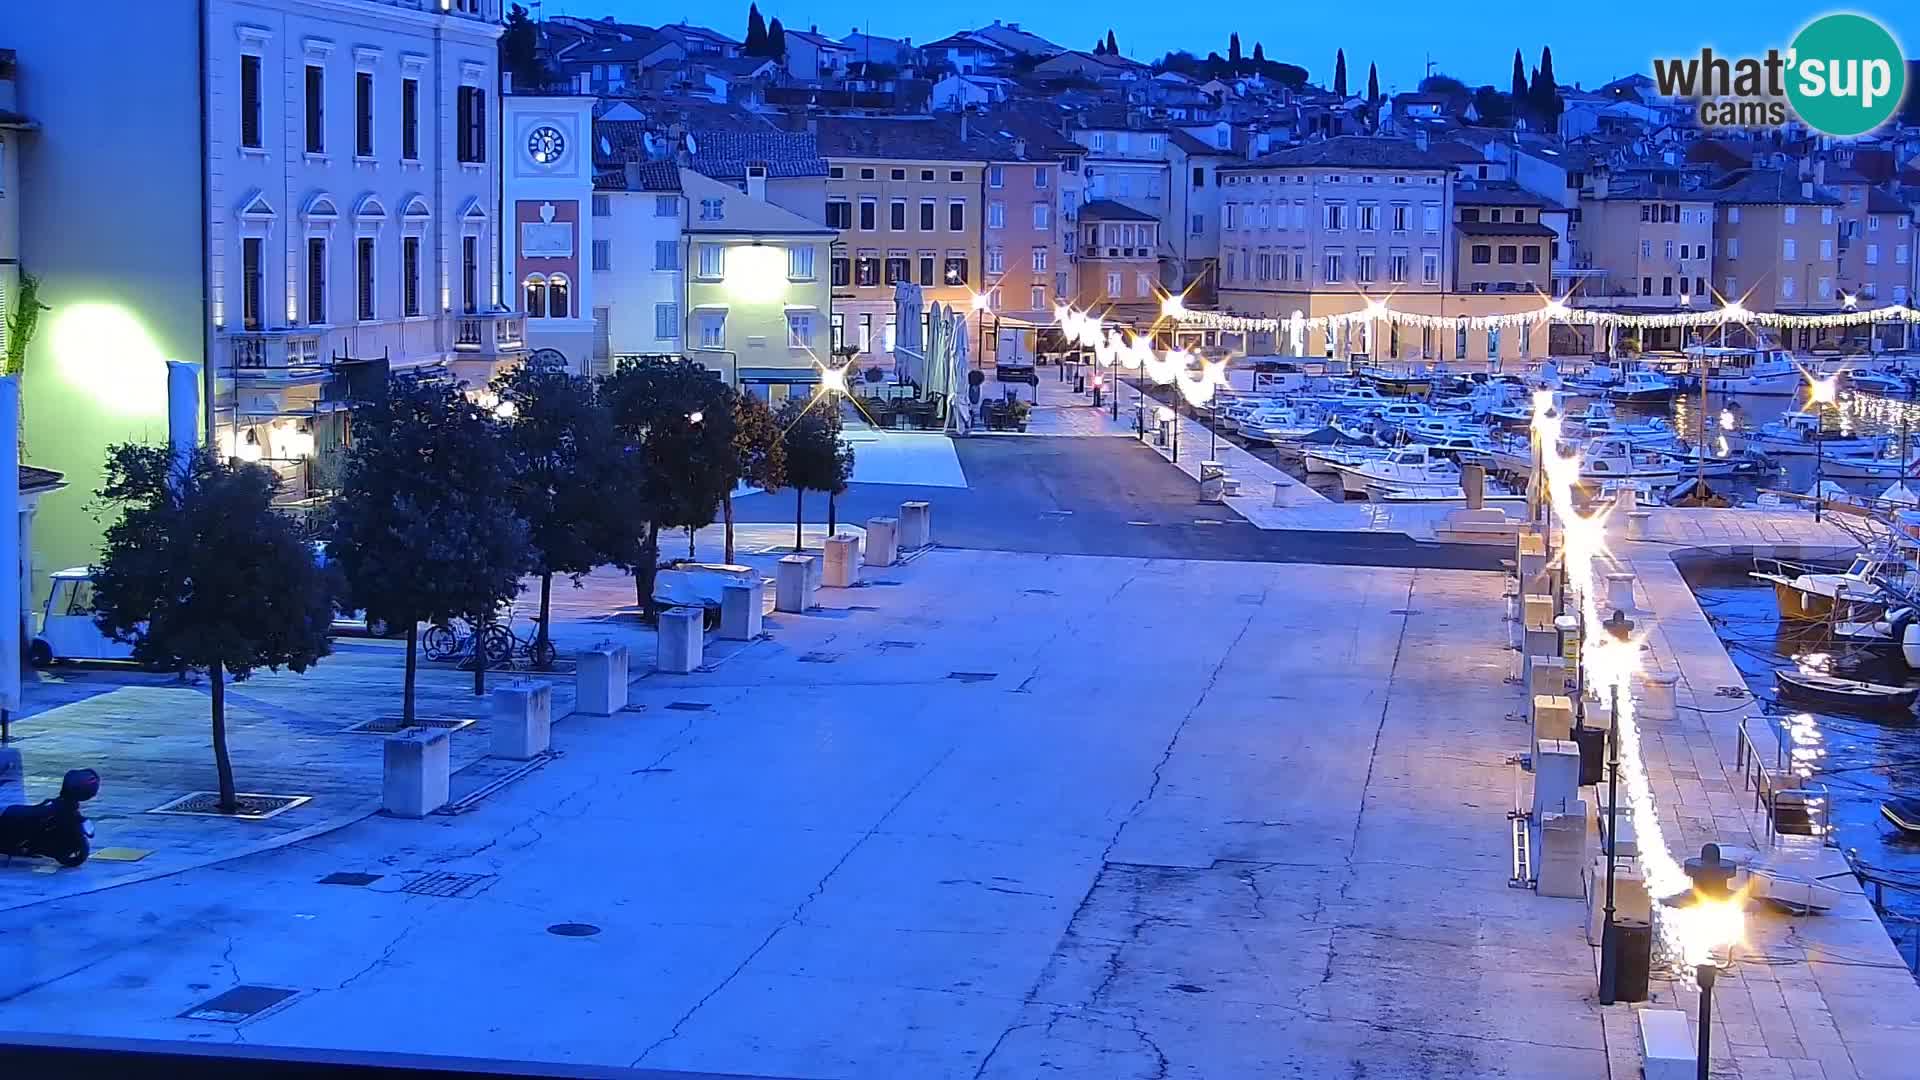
x=1712 y=881
x=1821 y=392
x=1620 y=628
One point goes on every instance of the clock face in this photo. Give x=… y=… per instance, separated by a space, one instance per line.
x=546 y=144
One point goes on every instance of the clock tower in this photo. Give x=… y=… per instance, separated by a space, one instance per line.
x=547 y=176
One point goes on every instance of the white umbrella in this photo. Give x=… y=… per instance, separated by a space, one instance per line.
x=959 y=409
x=908 y=349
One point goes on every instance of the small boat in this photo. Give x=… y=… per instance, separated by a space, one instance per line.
x=1400 y=383
x=1859 y=467
x=1617 y=459
x=1408 y=468
x=1806 y=594
x=1279 y=425
x=1325 y=460
x=1642 y=385
x=1904 y=813
x=1795 y=434
x=1884 y=383
x=1853 y=695
x=1753 y=372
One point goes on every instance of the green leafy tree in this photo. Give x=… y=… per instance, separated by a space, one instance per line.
x=1340 y=73
x=680 y=419
x=427 y=527
x=756 y=43
x=817 y=458
x=520 y=51
x=760 y=456
x=776 y=40
x=566 y=459
x=1494 y=108
x=201 y=573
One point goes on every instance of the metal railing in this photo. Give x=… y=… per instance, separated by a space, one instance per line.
x=273 y=350
x=1798 y=810
x=491 y=334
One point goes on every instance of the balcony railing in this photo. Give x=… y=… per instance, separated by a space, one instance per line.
x=274 y=352
x=494 y=333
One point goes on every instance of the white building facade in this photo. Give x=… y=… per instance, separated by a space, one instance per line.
x=640 y=285
x=551 y=246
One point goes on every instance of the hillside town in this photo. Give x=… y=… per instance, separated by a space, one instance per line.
x=550 y=545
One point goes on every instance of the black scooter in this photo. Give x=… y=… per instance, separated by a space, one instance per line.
x=55 y=828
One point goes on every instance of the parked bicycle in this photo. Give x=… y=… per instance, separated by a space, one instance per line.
x=457 y=641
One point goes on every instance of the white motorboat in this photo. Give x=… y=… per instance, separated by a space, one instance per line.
x=1600 y=421
x=1886 y=383
x=1329 y=459
x=1617 y=459
x=1407 y=468
x=1639 y=384
x=1441 y=427
x=1862 y=467
x=1755 y=372
x=1464 y=448
x=1270 y=426
x=1400 y=413
x=1798 y=433
x=1809 y=594
x=1348 y=397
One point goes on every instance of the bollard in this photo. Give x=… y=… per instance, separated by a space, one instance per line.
x=1473 y=481
x=1556 y=777
x=793 y=584
x=1280 y=492
x=1657 y=698
x=1638 y=523
x=522 y=720
x=1666 y=1046
x=414 y=782
x=1539 y=610
x=600 y=682
x=1619 y=592
x=916 y=525
x=842 y=568
x=742 y=605
x=1212 y=481
x=882 y=541
x=683 y=637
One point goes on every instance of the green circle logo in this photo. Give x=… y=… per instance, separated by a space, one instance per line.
x=1845 y=75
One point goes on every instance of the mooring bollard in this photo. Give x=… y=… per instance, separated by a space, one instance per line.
x=793 y=584
x=742 y=606
x=1619 y=592
x=1658 y=700
x=522 y=720
x=415 y=777
x=600 y=682
x=682 y=637
x=841 y=562
x=1638 y=522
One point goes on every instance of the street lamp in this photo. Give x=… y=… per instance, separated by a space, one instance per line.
x=1820 y=392
x=1163 y=417
x=1713 y=920
x=1620 y=628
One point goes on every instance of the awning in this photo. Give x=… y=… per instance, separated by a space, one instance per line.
x=807 y=376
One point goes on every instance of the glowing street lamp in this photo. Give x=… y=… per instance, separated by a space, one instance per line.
x=1820 y=392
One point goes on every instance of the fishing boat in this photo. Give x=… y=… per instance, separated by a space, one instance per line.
x=1599 y=419
x=1798 y=433
x=1859 y=467
x=1753 y=372
x=1279 y=424
x=1904 y=813
x=1346 y=396
x=1848 y=695
x=1882 y=383
x=1808 y=594
x=1408 y=468
x=1640 y=384
x=1326 y=460
x=1416 y=381
x=1615 y=458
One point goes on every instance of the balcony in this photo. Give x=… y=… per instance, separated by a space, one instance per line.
x=494 y=334
x=284 y=355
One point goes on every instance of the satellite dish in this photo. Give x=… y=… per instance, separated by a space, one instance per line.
x=606 y=147
x=692 y=146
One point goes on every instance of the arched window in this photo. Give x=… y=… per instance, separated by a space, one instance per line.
x=536 y=289
x=557 y=298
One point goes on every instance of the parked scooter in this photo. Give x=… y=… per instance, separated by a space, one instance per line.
x=55 y=828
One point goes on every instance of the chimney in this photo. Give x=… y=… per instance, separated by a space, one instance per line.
x=1820 y=171
x=634 y=182
x=757 y=182
x=963 y=123
x=1420 y=137
x=1020 y=149
x=1013 y=26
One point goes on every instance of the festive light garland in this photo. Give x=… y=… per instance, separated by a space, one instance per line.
x=1196 y=377
x=1553 y=311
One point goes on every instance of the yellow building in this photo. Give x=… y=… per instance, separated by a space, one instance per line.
x=758 y=304
x=1777 y=245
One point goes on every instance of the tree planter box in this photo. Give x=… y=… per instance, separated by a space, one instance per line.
x=682 y=638
x=415 y=778
x=741 y=609
x=882 y=541
x=522 y=720
x=600 y=684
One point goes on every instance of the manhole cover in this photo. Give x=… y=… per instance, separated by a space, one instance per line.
x=253 y=807
x=819 y=657
x=349 y=877
x=445 y=883
x=971 y=676
x=688 y=706
x=573 y=929
x=240 y=1003
x=394 y=725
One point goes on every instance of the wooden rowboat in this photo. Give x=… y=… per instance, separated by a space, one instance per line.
x=1851 y=695
x=1904 y=813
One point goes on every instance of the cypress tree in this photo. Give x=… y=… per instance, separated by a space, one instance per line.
x=1373 y=84
x=1340 y=73
x=1233 y=48
x=1112 y=49
x=776 y=39
x=1519 y=88
x=756 y=44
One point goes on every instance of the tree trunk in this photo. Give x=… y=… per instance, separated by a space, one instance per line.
x=541 y=638
x=222 y=764
x=406 y=693
x=832 y=521
x=799 y=507
x=726 y=507
x=690 y=542
x=648 y=569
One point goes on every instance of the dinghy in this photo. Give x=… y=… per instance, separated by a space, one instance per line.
x=1850 y=695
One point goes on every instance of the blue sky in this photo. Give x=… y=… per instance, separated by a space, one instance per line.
x=1592 y=42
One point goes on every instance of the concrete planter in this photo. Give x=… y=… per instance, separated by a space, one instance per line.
x=416 y=771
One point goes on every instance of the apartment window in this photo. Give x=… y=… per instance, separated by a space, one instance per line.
x=1826 y=249
x=1530 y=255
x=666 y=254
x=252 y=285
x=1039 y=260
x=1669 y=249
x=1369 y=215
x=713 y=329
x=1363 y=266
x=536 y=294
x=666 y=322
x=926 y=268
x=316 y=281
x=1786 y=286
x=363 y=113
x=996 y=176
x=927 y=215
x=603 y=254
x=1332 y=267
x=837 y=172
x=1733 y=215
x=836 y=331
x=557 y=297
x=713 y=261
x=410 y=275
x=799 y=330
x=1226 y=216
x=869 y=213
x=1430 y=267
x=800 y=262
x=1733 y=247
x=1037 y=298
x=1646 y=249
x=1397 y=267
x=316 y=109
x=996 y=261
x=602 y=204
x=363 y=269
x=866 y=269
x=839 y=214
x=1430 y=217
x=471 y=120
x=1900 y=254
x=1826 y=288
x=898 y=174
x=1666 y=286
x=1040 y=177
x=410 y=119
x=1199 y=224
x=470 y=273
x=1788 y=214
x=1336 y=216
x=1699 y=286
x=713 y=209
x=1509 y=254
x=1646 y=286
x=957 y=216
x=1469 y=213
x=866 y=174
x=1042 y=216
x=1787 y=248
x=842 y=270
x=1113 y=284
x=1460 y=342
x=897 y=215
x=899 y=268
x=250 y=101
x=866 y=333
x=1826 y=215
x=955 y=176
x=1482 y=254
x=996 y=215
x=956 y=270
x=926 y=175
x=1400 y=217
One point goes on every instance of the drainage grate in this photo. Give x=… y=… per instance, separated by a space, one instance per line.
x=444 y=883
x=253 y=807
x=860 y=607
x=349 y=877
x=239 y=1004
x=394 y=725
x=883 y=582
x=972 y=676
x=688 y=706
x=573 y=929
x=819 y=657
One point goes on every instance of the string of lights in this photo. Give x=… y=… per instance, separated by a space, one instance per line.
x=1553 y=311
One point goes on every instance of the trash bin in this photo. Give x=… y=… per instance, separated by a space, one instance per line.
x=1593 y=745
x=1634 y=961
x=1212 y=482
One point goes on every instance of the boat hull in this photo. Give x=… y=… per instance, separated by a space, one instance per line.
x=1844 y=695
x=1780 y=384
